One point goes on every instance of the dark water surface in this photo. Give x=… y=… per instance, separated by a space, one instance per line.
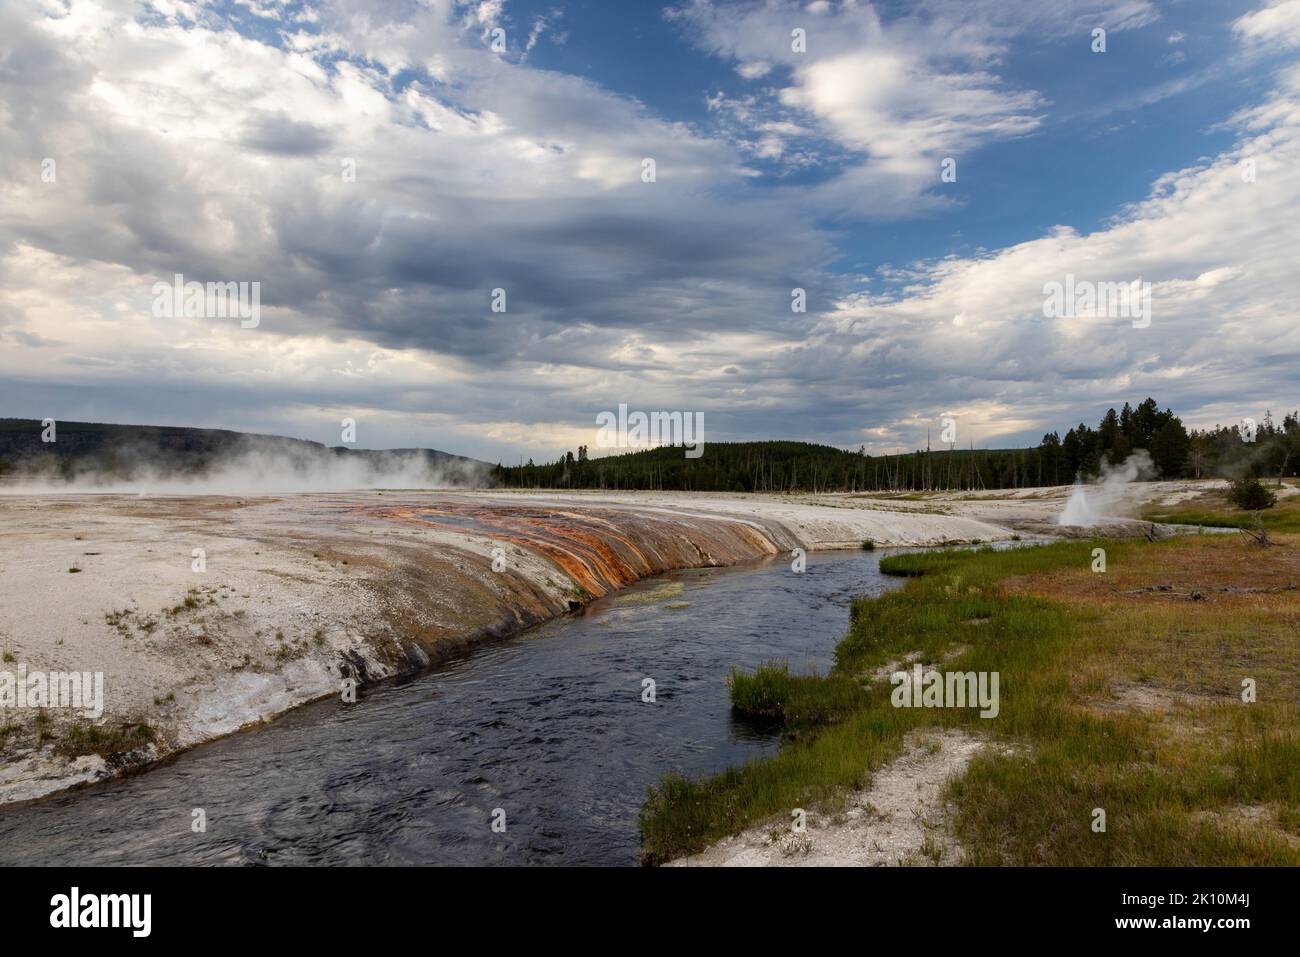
x=549 y=726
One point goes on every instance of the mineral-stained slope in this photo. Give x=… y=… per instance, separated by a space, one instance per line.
x=209 y=613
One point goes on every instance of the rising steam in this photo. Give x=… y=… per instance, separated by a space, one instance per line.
x=249 y=469
x=1095 y=502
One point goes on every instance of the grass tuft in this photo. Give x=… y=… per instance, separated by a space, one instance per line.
x=105 y=740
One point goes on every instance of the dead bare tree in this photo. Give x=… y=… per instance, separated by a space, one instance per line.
x=1257 y=534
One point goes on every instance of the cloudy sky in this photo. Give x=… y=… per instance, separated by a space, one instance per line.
x=214 y=140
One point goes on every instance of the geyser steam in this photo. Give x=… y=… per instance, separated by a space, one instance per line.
x=1092 y=503
x=253 y=470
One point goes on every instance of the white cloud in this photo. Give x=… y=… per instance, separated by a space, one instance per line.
x=895 y=95
x=1278 y=22
x=1218 y=250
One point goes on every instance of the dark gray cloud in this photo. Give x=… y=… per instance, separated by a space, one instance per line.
x=281 y=135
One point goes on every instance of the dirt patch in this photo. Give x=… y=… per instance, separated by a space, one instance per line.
x=1249 y=819
x=901 y=819
x=1152 y=699
x=886 y=671
x=1215 y=570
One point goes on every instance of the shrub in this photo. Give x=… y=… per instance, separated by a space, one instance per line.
x=1249 y=493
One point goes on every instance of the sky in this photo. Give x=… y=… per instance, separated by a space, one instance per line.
x=922 y=171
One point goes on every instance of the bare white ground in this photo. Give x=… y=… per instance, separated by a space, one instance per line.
x=806 y=521
x=900 y=820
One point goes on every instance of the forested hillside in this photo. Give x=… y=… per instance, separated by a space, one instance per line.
x=779 y=466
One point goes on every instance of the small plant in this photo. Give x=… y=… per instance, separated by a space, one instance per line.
x=796 y=844
x=73 y=570
x=868 y=545
x=1248 y=493
x=932 y=849
x=9 y=657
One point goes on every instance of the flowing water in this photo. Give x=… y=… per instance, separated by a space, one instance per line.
x=549 y=726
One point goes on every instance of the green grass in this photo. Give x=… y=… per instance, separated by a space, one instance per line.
x=1276 y=519
x=1215 y=510
x=915 y=564
x=799 y=701
x=103 y=740
x=1167 y=793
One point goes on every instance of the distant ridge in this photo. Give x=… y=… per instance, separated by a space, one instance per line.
x=108 y=450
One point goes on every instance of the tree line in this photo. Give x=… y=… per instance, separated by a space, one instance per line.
x=783 y=466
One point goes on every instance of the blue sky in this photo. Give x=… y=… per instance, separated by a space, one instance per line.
x=206 y=139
